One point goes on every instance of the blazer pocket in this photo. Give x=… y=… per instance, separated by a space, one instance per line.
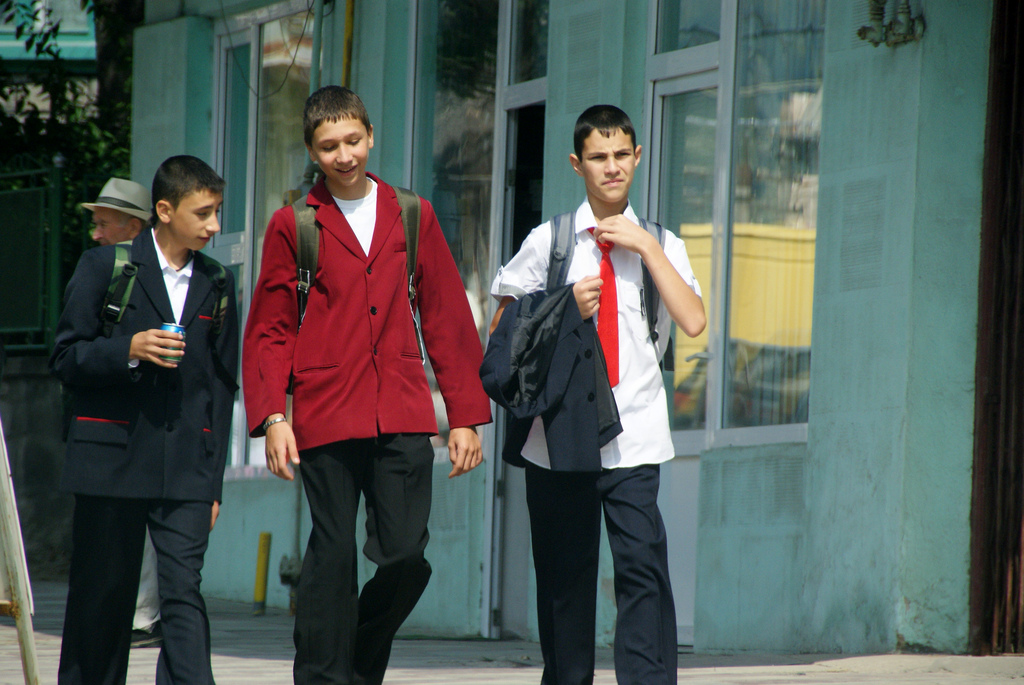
x=210 y=440
x=105 y=431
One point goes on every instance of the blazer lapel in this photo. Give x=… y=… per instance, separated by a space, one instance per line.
x=199 y=286
x=150 y=277
x=333 y=221
x=388 y=215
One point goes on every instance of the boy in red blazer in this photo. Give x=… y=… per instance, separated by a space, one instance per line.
x=362 y=408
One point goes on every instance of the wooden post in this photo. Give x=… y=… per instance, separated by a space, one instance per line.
x=15 y=591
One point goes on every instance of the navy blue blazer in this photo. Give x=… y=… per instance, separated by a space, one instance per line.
x=544 y=360
x=147 y=432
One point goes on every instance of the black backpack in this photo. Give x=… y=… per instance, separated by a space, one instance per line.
x=563 y=244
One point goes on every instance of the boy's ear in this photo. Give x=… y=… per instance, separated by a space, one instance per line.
x=312 y=157
x=636 y=154
x=163 y=211
x=575 y=161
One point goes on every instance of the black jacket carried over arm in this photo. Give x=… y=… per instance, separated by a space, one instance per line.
x=544 y=360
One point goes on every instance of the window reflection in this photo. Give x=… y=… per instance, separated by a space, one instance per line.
x=774 y=212
x=284 y=86
x=455 y=143
x=685 y=208
x=529 y=40
x=688 y=23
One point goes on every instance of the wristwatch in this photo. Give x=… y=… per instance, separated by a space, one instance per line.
x=270 y=422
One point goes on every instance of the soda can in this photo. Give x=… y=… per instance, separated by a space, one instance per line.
x=173 y=328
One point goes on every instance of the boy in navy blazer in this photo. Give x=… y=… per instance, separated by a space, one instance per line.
x=149 y=431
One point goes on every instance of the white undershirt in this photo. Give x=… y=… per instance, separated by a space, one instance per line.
x=176 y=280
x=361 y=215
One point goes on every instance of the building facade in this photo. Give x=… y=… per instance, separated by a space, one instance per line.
x=830 y=195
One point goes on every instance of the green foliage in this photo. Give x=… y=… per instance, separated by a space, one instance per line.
x=51 y=112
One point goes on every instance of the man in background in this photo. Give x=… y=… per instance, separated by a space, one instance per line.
x=120 y=213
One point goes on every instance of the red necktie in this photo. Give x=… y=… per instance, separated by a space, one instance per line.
x=608 y=314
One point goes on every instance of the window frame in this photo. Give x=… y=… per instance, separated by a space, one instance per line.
x=712 y=65
x=229 y=33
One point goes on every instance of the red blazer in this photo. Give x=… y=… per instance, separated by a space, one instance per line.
x=356 y=360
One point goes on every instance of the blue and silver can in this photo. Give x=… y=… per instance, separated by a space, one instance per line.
x=173 y=328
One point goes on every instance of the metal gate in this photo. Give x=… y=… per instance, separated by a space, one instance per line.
x=997 y=557
x=31 y=198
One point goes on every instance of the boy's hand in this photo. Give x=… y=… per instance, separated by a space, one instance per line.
x=622 y=232
x=464 y=450
x=214 y=513
x=281 y=449
x=588 y=295
x=149 y=346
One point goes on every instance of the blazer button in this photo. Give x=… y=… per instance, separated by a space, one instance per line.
x=590 y=397
x=373 y=310
x=588 y=354
x=369 y=269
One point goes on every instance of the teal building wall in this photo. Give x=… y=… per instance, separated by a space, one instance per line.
x=859 y=541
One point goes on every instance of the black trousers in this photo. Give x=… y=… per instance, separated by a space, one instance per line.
x=342 y=636
x=565 y=524
x=108 y=534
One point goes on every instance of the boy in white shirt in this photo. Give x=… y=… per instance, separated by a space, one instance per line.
x=565 y=507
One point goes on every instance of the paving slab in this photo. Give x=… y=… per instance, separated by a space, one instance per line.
x=257 y=650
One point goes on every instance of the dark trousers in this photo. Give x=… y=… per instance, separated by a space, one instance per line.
x=565 y=524
x=342 y=636
x=108 y=534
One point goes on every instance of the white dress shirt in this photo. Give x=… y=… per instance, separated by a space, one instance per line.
x=640 y=395
x=176 y=281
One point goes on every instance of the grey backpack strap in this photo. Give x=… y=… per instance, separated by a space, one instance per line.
x=307 y=250
x=409 y=203
x=652 y=298
x=563 y=243
x=120 y=290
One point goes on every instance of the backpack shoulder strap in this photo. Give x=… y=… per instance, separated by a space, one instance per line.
x=563 y=244
x=120 y=289
x=652 y=298
x=307 y=251
x=409 y=202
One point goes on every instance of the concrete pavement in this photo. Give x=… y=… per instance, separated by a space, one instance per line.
x=250 y=650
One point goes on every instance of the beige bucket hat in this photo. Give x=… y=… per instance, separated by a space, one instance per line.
x=124 y=196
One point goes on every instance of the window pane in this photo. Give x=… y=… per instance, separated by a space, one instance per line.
x=684 y=207
x=455 y=140
x=529 y=40
x=775 y=189
x=236 y=138
x=688 y=23
x=284 y=86
x=71 y=14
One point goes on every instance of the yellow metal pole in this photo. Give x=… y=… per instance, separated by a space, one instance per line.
x=346 y=57
x=259 y=599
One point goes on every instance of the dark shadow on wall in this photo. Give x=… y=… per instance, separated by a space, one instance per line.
x=30 y=409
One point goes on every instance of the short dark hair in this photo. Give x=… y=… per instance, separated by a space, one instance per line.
x=331 y=103
x=182 y=175
x=604 y=118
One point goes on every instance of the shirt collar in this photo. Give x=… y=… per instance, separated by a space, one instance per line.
x=585 y=216
x=165 y=266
